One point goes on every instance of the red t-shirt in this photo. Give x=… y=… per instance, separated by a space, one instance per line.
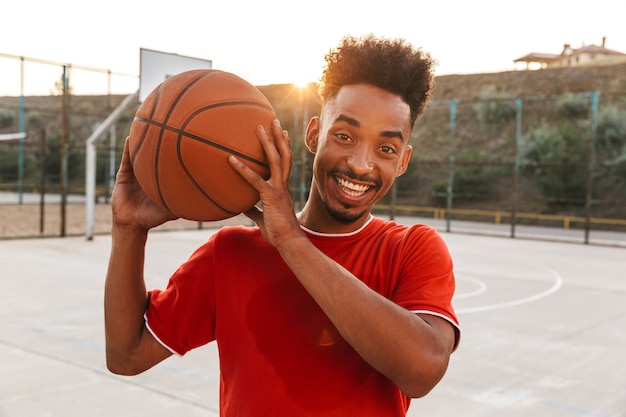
x=279 y=353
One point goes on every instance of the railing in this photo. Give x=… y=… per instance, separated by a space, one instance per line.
x=498 y=216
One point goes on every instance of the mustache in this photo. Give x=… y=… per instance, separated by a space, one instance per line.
x=348 y=173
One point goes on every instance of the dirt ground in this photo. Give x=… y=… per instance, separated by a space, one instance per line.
x=33 y=220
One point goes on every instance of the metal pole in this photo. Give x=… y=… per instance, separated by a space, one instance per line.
x=64 y=142
x=22 y=128
x=518 y=141
x=112 y=135
x=112 y=141
x=592 y=164
x=42 y=180
x=90 y=170
x=451 y=162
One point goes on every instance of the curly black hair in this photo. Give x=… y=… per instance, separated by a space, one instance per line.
x=390 y=64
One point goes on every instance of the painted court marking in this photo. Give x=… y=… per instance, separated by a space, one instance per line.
x=482 y=288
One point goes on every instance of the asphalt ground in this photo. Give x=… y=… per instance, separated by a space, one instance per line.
x=543 y=331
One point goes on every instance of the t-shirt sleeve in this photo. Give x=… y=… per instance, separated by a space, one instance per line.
x=427 y=281
x=182 y=316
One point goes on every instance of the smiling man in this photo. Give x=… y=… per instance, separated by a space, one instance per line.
x=326 y=312
x=361 y=145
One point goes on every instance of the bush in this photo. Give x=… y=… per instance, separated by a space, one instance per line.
x=611 y=136
x=573 y=107
x=7 y=118
x=473 y=179
x=558 y=158
x=495 y=109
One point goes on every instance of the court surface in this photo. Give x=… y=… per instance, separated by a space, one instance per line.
x=543 y=322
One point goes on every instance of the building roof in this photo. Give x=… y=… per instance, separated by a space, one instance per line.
x=546 y=58
x=537 y=57
x=595 y=49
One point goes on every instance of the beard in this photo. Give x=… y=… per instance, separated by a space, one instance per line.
x=343 y=215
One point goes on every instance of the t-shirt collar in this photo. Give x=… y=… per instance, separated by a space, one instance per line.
x=369 y=219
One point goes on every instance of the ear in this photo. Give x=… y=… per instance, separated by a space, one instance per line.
x=406 y=157
x=312 y=134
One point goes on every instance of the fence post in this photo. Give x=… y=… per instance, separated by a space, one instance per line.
x=22 y=129
x=64 y=150
x=518 y=141
x=592 y=163
x=451 y=161
x=42 y=180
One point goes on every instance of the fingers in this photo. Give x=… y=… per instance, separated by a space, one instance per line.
x=126 y=151
x=125 y=165
x=248 y=174
x=284 y=149
x=277 y=149
x=269 y=144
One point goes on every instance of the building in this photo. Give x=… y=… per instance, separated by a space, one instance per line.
x=570 y=57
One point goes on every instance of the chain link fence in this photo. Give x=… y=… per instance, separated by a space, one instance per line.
x=557 y=161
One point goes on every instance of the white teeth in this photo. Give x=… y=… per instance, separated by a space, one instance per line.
x=355 y=189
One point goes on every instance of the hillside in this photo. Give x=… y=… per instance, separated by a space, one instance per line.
x=609 y=79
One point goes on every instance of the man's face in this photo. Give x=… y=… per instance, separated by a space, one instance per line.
x=360 y=146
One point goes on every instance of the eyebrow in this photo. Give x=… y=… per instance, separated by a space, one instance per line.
x=354 y=122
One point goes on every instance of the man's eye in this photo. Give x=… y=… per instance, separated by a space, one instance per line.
x=343 y=136
x=388 y=149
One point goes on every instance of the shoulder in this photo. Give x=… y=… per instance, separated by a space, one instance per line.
x=227 y=237
x=406 y=230
x=411 y=240
x=238 y=238
x=226 y=245
x=237 y=231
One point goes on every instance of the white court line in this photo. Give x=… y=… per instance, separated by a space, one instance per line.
x=558 y=282
x=482 y=287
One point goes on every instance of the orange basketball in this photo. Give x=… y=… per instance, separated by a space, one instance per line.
x=184 y=132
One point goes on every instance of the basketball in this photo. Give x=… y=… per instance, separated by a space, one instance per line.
x=182 y=135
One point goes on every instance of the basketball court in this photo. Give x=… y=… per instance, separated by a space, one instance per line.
x=544 y=332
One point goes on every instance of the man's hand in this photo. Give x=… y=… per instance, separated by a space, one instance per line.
x=277 y=219
x=130 y=204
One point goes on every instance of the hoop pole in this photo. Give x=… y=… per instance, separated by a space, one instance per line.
x=90 y=171
x=20 y=163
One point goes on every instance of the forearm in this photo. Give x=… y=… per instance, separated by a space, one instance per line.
x=125 y=296
x=396 y=342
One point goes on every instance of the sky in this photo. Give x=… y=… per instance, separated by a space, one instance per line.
x=284 y=41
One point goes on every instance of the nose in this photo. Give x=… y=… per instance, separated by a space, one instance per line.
x=360 y=159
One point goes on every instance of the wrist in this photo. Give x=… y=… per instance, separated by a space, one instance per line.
x=129 y=231
x=294 y=244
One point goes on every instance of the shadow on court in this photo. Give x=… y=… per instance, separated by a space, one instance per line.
x=543 y=332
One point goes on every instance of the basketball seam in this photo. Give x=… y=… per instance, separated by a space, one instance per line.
x=170 y=110
x=181 y=132
x=145 y=131
x=193 y=180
